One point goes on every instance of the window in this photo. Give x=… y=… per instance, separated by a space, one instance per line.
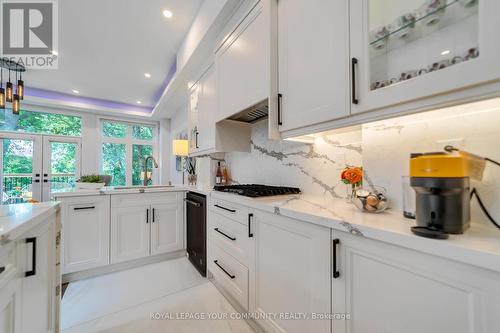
x=125 y=146
x=41 y=123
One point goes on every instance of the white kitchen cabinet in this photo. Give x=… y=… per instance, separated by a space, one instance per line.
x=291 y=273
x=167 y=225
x=242 y=64
x=429 y=52
x=37 y=255
x=386 y=288
x=10 y=290
x=85 y=232
x=206 y=135
x=313 y=62
x=146 y=224
x=129 y=232
x=207 y=110
x=193 y=114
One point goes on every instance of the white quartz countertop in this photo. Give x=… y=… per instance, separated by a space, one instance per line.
x=479 y=246
x=17 y=219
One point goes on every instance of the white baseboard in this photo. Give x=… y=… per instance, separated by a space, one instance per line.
x=71 y=277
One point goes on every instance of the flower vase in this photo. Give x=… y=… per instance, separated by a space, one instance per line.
x=351 y=192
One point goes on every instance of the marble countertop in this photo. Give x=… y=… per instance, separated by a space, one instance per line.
x=17 y=219
x=113 y=190
x=479 y=246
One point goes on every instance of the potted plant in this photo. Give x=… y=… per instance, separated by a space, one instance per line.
x=90 y=182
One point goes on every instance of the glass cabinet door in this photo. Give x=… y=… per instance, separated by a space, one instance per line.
x=410 y=49
x=193 y=117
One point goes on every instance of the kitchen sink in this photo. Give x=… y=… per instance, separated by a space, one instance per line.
x=141 y=187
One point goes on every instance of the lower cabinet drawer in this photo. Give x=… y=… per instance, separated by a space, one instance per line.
x=231 y=236
x=230 y=274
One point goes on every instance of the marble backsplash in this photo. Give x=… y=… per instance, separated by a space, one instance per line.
x=314 y=168
x=382 y=148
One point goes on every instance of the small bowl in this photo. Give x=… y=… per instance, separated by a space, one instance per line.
x=371 y=199
x=404 y=25
x=431 y=11
x=380 y=36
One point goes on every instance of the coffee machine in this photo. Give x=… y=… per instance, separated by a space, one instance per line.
x=442 y=185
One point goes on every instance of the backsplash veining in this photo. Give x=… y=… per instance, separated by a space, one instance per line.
x=382 y=148
x=314 y=168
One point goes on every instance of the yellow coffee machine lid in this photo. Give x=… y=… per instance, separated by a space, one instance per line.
x=440 y=165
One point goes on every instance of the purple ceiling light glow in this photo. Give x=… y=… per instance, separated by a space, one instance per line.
x=85 y=101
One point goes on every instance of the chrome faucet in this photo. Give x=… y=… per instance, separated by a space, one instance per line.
x=145 y=169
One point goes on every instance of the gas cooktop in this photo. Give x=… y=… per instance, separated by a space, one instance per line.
x=254 y=190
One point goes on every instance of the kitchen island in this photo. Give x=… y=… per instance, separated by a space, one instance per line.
x=29 y=268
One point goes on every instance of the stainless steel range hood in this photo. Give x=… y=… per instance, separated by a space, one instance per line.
x=252 y=114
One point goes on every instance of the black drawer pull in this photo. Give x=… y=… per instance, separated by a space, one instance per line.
x=250 y=233
x=220 y=232
x=147 y=215
x=32 y=240
x=280 y=122
x=83 y=208
x=153 y=215
x=227 y=209
x=227 y=273
x=336 y=273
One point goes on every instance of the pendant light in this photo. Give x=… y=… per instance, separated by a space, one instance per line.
x=20 y=86
x=15 y=104
x=9 y=91
x=2 y=91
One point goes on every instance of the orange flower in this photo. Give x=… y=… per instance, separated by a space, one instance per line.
x=352 y=175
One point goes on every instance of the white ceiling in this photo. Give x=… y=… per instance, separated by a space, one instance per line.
x=106 y=46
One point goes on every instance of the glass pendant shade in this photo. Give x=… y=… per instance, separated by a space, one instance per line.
x=2 y=98
x=9 y=92
x=20 y=89
x=15 y=104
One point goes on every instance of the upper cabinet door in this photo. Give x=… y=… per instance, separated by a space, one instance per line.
x=313 y=61
x=193 y=113
x=207 y=110
x=242 y=64
x=409 y=50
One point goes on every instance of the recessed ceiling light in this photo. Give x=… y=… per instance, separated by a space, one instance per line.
x=147 y=75
x=445 y=52
x=167 y=13
x=139 y=102
x=76 y=91
x=54 y=52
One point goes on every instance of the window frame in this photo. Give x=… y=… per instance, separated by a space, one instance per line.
x=129 y=141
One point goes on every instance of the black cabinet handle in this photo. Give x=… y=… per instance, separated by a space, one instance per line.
x=84 y=208
x=336 y=273
x=250 y=233
x=153 y=215
x=220 y=232
x=227 y=273
x=2 y=269
x=32 y=272
x=37 y=180
x=227 y=209
x=147 y=215
x=354 y=63
x=196 y=139
x=280 y=97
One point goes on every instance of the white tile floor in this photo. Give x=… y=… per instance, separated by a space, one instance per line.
x=123 y=302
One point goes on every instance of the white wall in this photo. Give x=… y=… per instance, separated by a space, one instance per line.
x=178 y=124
